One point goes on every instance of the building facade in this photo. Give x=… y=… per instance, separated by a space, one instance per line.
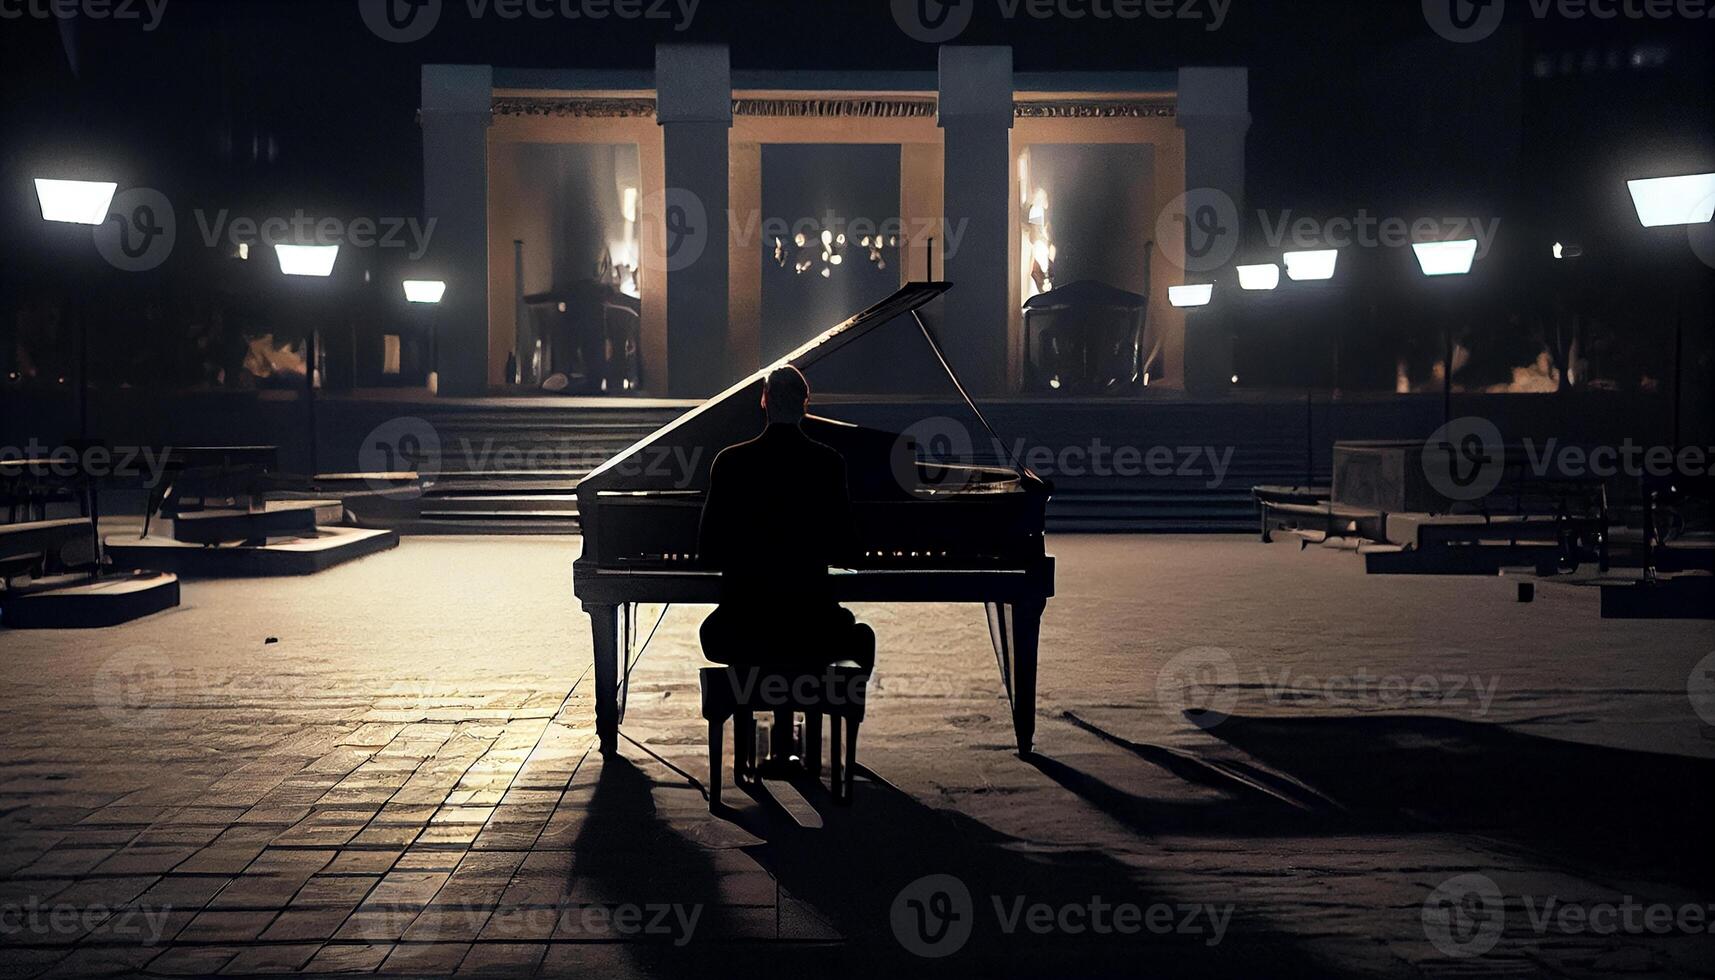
x=720 y=216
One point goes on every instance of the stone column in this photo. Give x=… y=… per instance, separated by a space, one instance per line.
x=693 y=105
x=975 y=114
x=1214 y=113
x=455 y=116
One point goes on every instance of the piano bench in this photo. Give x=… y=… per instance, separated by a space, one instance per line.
x=836 y=691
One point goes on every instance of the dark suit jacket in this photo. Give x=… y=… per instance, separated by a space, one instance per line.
x=778 y=513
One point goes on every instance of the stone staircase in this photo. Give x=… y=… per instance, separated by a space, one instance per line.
x=510 y=469
x=514 y=467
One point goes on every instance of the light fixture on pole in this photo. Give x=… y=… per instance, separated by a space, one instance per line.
x=1452 y=258
x=1264 y=276
x=424 y=290
x=1446 y=258
x=1195 y=294
x=315 y=261
x=1685 y=200
x=428 y=292
x=78 y=202
x=307 y=260
x=1311 y=265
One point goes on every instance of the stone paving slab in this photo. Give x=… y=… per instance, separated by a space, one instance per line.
x=406 y=784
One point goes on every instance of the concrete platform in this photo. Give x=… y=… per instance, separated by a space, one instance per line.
x=78 y=602
x=283 y=556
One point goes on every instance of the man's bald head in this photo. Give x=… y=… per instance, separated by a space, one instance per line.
x=785 y=395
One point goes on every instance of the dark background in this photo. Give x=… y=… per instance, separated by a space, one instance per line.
x=268 y=107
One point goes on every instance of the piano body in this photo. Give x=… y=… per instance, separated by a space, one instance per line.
x=929 y=531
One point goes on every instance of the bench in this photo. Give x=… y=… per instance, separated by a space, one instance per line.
x=837 y=692
x=279 y=519
x=35 y=547
x=28 y=486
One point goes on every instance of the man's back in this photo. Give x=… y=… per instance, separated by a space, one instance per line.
x=778 y=514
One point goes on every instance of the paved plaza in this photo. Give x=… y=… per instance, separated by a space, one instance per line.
x=1251 y=761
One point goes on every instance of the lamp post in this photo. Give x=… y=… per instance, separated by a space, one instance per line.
x=1672 y=201
x=1452 y=258
x=78 y=202
x=428 y=292
x=315 y=261
x=1310 y=265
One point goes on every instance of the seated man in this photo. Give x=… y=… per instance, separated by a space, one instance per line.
x=778 y=514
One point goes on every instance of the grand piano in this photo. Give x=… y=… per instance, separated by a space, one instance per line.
x=930 y=530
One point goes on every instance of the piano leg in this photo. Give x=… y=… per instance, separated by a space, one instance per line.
x=604 y=625
x=1015 y=629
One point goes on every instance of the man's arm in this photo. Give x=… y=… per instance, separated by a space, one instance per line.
x=712 y=530
x=842 y=524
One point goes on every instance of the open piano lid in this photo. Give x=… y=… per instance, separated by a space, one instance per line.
x=733 y=416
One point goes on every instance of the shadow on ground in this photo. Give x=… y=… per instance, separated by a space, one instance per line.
x=1616 y=810
x=863 y=870
x=848 y=876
